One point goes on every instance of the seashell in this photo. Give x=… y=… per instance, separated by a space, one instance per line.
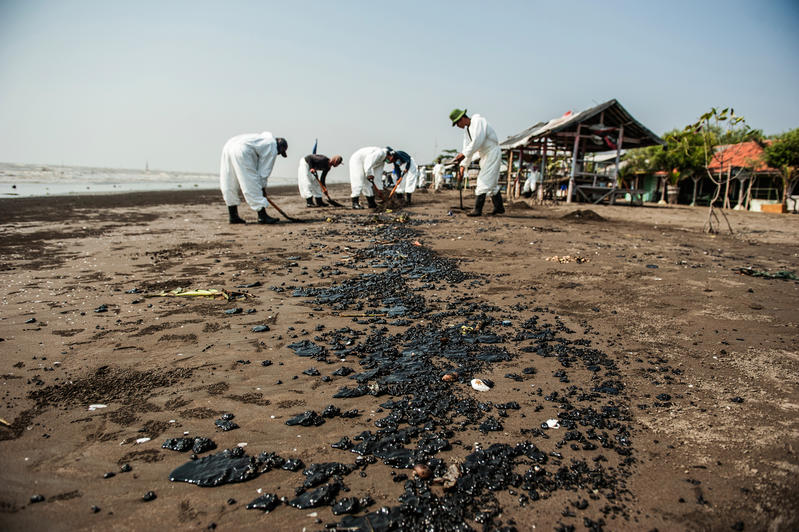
x=450 y=377
x=480 y=385
x=422 y=471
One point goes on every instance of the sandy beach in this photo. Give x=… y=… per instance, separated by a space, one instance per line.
x=637 y=379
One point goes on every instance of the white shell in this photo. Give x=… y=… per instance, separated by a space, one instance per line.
x=553 y=423
x=480 y=386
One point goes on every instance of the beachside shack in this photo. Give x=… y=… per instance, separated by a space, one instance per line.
x=563 y=149
x=746 y=176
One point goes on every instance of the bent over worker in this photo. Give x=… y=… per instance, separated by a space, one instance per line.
x=438 y=177
x=480 y=139
x=366 y=171
x=408 y=176
x=247 y=162
x=308 y=179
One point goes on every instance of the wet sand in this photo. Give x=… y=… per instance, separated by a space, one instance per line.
x=690 y=367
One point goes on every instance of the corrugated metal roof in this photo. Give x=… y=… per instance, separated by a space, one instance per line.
x=598 y=124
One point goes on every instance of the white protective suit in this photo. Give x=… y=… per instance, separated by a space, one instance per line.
x=364 y=163
x=532 y=181
x=247 y=161
x=309 y=186
x=479 y=138
x=438 y=176
x=411 y=179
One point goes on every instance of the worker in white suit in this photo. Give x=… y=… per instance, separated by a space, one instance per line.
x=247 y=162
x=406 y=168
x=438 y=176
x=532 y=181
x=366 y=169
x=310 y=182
x=479 y=139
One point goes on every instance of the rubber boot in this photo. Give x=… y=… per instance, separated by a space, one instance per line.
x=496 y=199
x=233 y=213
x=309 y=202
x=320 y=202
x=356 y=203
x=264 y=218
x=408 y=198
x=371 y=201
x=479 y=201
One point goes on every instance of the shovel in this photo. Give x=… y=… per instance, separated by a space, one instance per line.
x=377 y=191
x=330 y=200
x=278 y=209
x=393 y=190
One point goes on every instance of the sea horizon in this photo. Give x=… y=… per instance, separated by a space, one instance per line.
x=36 y=179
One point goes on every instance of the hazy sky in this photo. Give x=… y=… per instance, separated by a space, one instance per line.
x=119 y=84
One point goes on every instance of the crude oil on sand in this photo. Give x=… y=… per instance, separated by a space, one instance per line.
x=639 y=382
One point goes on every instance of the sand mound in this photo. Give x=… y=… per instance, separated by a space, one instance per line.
x=583 y=215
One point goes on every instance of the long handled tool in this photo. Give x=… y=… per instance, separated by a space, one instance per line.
x=278 y=209
x=393 y=190
x=377 y=191
x=460 y=185
x=324 y=189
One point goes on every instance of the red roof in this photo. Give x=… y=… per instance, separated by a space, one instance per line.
x=742 y=155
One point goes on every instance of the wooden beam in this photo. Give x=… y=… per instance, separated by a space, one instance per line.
x=510 y=168
x=619 y=142
x=575 y=154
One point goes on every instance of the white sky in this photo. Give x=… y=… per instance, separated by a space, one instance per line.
x=119 y=84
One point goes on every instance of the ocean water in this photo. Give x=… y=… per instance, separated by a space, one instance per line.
x=25 y=180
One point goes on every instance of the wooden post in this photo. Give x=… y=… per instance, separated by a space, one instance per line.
x=726 y=203
x=741 y=180
x=510 y=168
x=542 y=168
x=575 y=154
x=618 y=156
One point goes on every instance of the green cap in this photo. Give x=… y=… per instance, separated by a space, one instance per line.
x=456 y=115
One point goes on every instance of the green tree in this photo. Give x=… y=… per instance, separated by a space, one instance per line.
x=783 y=154
x=445 y=155
x=682 y=157
x=713 y=129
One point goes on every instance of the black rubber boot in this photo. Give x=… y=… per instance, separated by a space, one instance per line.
x=496 y=199
x=479 y=201
x=233 y=213
x=408 y=198
x=309 y=202
x=356 y=203
x=371 y=201
x=264 y=218
x=320 y=202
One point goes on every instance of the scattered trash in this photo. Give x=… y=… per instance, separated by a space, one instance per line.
x=785 y=275
x=568 y=258
x=211 y=293
x=92 y=408
x=142 y=440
